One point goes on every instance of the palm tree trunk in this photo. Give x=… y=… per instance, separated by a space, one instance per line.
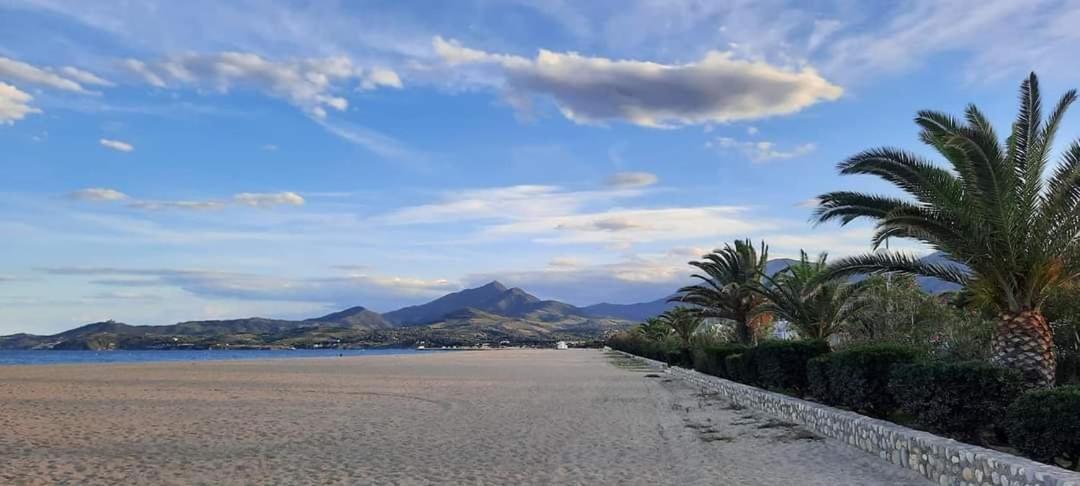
x=1025 y=341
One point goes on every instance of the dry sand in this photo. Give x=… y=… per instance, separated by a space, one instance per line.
x=495 y=417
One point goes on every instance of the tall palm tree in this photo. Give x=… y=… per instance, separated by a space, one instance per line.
x=728 y=277
x=992 y=209
x=817 y=308
x=684 y=322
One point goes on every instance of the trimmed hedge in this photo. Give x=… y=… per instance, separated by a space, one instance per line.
x=710 y=359
x=781 y=365
x=959 y=400
x=1045 y=424
x=740 y=367
x=858 y=378
x=817 y=379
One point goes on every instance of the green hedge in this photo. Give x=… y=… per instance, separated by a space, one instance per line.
x=817 y=379
x=858 y=378
x=1045 y=425
x=781 y=365
x=740 y=367
x=959 y=400
x=710 y=359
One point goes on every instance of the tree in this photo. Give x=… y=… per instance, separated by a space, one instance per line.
x=726 y=291
x=1014 y=231
x=817 y=308
x=655 y=329
x=684 y=322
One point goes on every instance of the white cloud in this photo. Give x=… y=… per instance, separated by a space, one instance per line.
x=621 y=227
x=98 y=194
x=718 y=88
x=20 y=71
x=502 y=203
x=85 y=77
x=143 y=71
x=14 y=104
x=761 y=151
x=308 y=83
x=267 y=200
x=250 y=199
x=751 y=130
x=380 y=77
x=116 y=145
x=632 y=179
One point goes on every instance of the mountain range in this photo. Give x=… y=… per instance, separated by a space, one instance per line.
x=489 y=313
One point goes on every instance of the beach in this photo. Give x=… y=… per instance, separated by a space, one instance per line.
x=483 y=417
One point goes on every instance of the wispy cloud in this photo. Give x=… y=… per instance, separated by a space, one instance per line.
x=98 y=194
x=625 y=180
x=311 y=84
x=759 y=151
x=117 y=145
x=18 y=71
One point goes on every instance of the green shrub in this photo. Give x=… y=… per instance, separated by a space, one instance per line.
x=859 y=377
x=1068 y=368
x=1045 y=424
x=710 y=359
x=740 y=367
x=955 y=399
x=817 y=379
x=781 y=365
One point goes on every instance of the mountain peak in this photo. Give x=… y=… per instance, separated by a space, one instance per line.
x=494 y=285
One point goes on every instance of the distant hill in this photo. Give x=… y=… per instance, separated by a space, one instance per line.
x=493 y=298
x=436 y=309
x=634 y=312
x=354 y=317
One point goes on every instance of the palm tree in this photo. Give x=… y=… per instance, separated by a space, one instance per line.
x=991 y=210
x=684 y=322
x=726 y=289
x=816 y=308
x=654 y=329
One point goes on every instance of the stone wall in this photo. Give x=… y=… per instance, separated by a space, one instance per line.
x=943 y=461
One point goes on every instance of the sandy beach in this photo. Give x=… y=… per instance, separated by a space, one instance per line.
x=492 y=417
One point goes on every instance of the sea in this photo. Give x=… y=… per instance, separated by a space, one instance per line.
x=45 y=357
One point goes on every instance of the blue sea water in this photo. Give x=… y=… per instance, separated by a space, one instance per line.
x=40 y=357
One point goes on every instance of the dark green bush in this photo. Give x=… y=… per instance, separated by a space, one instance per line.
x=710 y=359
x=639 y=345
x=1045 y=424
x=859 y=377
x=817 y=379
x=955 y=399
x=781 y=365
x=740 y=367
x=1068 y=368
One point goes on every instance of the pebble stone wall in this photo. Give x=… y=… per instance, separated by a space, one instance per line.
x=942 y=461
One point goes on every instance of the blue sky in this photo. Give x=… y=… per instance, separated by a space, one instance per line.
x=165 y=161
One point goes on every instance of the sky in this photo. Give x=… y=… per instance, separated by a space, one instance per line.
x=166 y=161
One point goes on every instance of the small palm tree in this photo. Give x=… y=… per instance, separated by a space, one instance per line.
x=726 y=291
x=816 y=308
x=684 y=322
x=654 y=329
x=992 y=210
